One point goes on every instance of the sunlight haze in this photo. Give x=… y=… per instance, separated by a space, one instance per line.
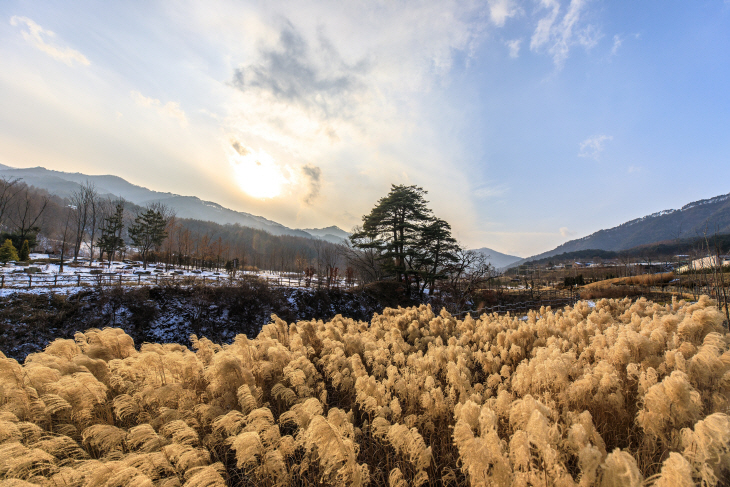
x=529 y=123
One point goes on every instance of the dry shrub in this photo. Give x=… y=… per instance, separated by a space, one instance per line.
x=624 y=393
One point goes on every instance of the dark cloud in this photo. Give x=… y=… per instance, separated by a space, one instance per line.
x=314 y=175
x=239 y=148
x=290 y=74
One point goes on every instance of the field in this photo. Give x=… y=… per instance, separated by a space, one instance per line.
x=622 y=393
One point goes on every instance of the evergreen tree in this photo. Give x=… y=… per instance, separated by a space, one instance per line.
x=148 y=231
x=111 y=233
x=8 y=252
x=408 y=239
x=438 y=250
x=24 y=253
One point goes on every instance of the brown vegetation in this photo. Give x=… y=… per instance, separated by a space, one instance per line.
x=640 y=280
x=619 y=394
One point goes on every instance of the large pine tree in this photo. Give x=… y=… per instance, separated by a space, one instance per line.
x=411 y=243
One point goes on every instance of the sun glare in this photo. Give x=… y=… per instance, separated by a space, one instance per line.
x=258 y=175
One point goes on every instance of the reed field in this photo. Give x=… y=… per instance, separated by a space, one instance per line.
x=623 y=393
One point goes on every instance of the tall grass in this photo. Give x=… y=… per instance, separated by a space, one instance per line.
x=626 y=393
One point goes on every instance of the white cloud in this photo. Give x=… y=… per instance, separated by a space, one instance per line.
x=40 y=38
x=593 y=146
x=501 y=10
x=557 y=36
x=564 y=232
x=170 y=109
x=514 y=47
x=635 y=169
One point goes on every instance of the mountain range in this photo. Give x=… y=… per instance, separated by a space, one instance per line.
x=710 y=215
x=64 y=184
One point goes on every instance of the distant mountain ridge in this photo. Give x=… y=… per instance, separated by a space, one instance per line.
x=331 y=234
x=498 y=259
x=693 y=219
x=64 y=184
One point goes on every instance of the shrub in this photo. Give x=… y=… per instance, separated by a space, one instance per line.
x=8 y=251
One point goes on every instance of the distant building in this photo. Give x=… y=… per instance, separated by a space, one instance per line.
x=706 y=263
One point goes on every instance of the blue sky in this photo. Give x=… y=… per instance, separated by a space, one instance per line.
x=528 y=122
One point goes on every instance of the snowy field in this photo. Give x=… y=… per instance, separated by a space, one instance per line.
x=39 y=276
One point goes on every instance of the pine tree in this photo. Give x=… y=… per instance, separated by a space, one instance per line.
x=111 y=233
x=410 y=241
x=24 y=253
x=148 y=231
x=438 y=249
x=8 y=252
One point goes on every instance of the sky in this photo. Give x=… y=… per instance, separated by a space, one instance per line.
x=529 y=123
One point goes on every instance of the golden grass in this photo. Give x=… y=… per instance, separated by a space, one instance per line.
x=620 y=394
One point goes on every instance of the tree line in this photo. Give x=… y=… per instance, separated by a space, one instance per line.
x=400 y=239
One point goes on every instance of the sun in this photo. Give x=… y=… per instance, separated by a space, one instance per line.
x=257 y=174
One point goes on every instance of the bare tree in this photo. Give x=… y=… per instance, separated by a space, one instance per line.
x=330 y=258
x=83 y=202
x=466 y=275
x=25 y=213
x=64 y=238
x=366 y=263
x=95 y=213
x=9 y=187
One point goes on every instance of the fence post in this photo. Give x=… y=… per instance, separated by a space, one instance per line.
x=30 y=281
x=55 y=280
x=79 y=279
x=2 y=281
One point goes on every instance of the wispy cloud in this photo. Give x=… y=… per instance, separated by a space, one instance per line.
x=593 y=146
x=564 y=232
x=557 y=36
x=514 y=47
x=240 y=148
x=170 y=109
x=290 y=72
x=488 y=191
x=617 y=41
x=41 y=39
x=313 y=175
